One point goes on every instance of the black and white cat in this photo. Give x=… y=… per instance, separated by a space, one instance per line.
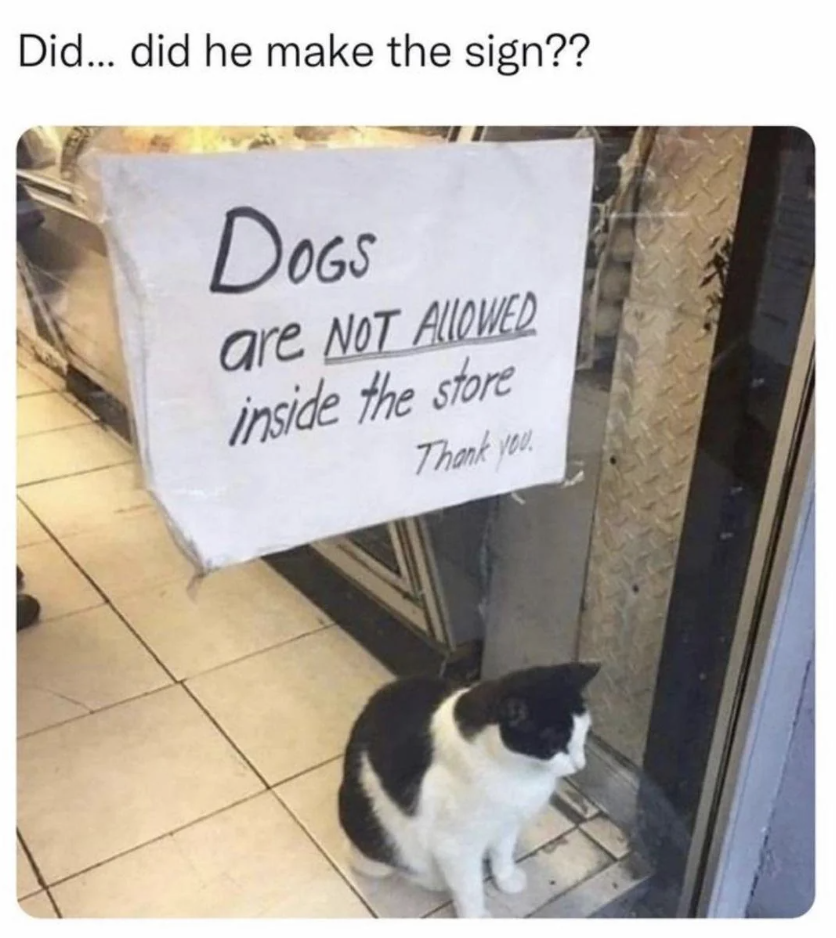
x=438 y=778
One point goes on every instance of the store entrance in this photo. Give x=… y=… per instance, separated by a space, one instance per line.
x=692 y=361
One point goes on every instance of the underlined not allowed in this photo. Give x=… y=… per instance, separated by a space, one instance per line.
x=417 y=350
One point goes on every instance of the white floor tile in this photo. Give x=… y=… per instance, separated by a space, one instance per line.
x=545 y=828
x=551 y=872
x=249 y=861
x=292 y=707
x=28 y=383
x=313 y=800
x=63 y=452
x=37 y=709
x=233 y=613
x=43 y=413
x=595 y=893
x=52 y=578
x=577 y=800
x=84 y=502
x=29 y=530
x=27 y=882
x=602 y=830
x=38 y=906
x=109 y=782
x=55 y=380
x=131 y=555
x=78 y=664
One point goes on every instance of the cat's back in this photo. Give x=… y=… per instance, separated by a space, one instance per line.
x=394 y=731
x=389 y=752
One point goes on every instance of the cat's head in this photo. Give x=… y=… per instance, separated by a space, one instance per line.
x=541 y=713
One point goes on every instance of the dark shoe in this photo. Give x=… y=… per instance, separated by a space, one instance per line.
x=28 y=611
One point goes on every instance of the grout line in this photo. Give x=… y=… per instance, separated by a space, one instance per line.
x=168 y=672
x=544 y=847
x=69 y=426
x=227 y=737
x=48 y=619
x=566 y=891
x=91 y=713
x=154 y=840
x=443 y=903
x=87 y=422
x=576 y=787
x=37 y=870
x=518 y=861
x=556 y=895
x=37 y=393
x=325 y=622
x=70 y=475
x=59 y=391
x=156 y=658
x=547 y=843
x=49 y=390
x=178 y=829
x=103 y=594
x=174 y=682
x=313 y=768
x=569 y=810
x=564 y=802
x=602 y=845
x=55 y=693
x=324 y=852
x=54 y=904
x=252 y=654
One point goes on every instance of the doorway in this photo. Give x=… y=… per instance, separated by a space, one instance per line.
x=390 y=562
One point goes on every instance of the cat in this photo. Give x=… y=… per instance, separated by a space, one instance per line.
x=437 y=777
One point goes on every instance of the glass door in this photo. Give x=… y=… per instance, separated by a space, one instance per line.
x=694 y=354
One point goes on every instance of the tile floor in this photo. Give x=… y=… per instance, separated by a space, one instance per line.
x=178 y=753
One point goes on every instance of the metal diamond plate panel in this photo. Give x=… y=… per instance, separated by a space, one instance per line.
x=684 y=224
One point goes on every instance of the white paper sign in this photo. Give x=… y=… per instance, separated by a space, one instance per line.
x=321 y=341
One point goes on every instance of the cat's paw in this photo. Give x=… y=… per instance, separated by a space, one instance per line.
x=512 y=882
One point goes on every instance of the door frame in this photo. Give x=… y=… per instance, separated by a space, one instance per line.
x=415 y=594
x=752 y=662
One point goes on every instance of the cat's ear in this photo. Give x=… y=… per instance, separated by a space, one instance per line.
x=581 y=673
x=513 y=711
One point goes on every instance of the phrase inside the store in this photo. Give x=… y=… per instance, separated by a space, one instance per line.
x=375 y=340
